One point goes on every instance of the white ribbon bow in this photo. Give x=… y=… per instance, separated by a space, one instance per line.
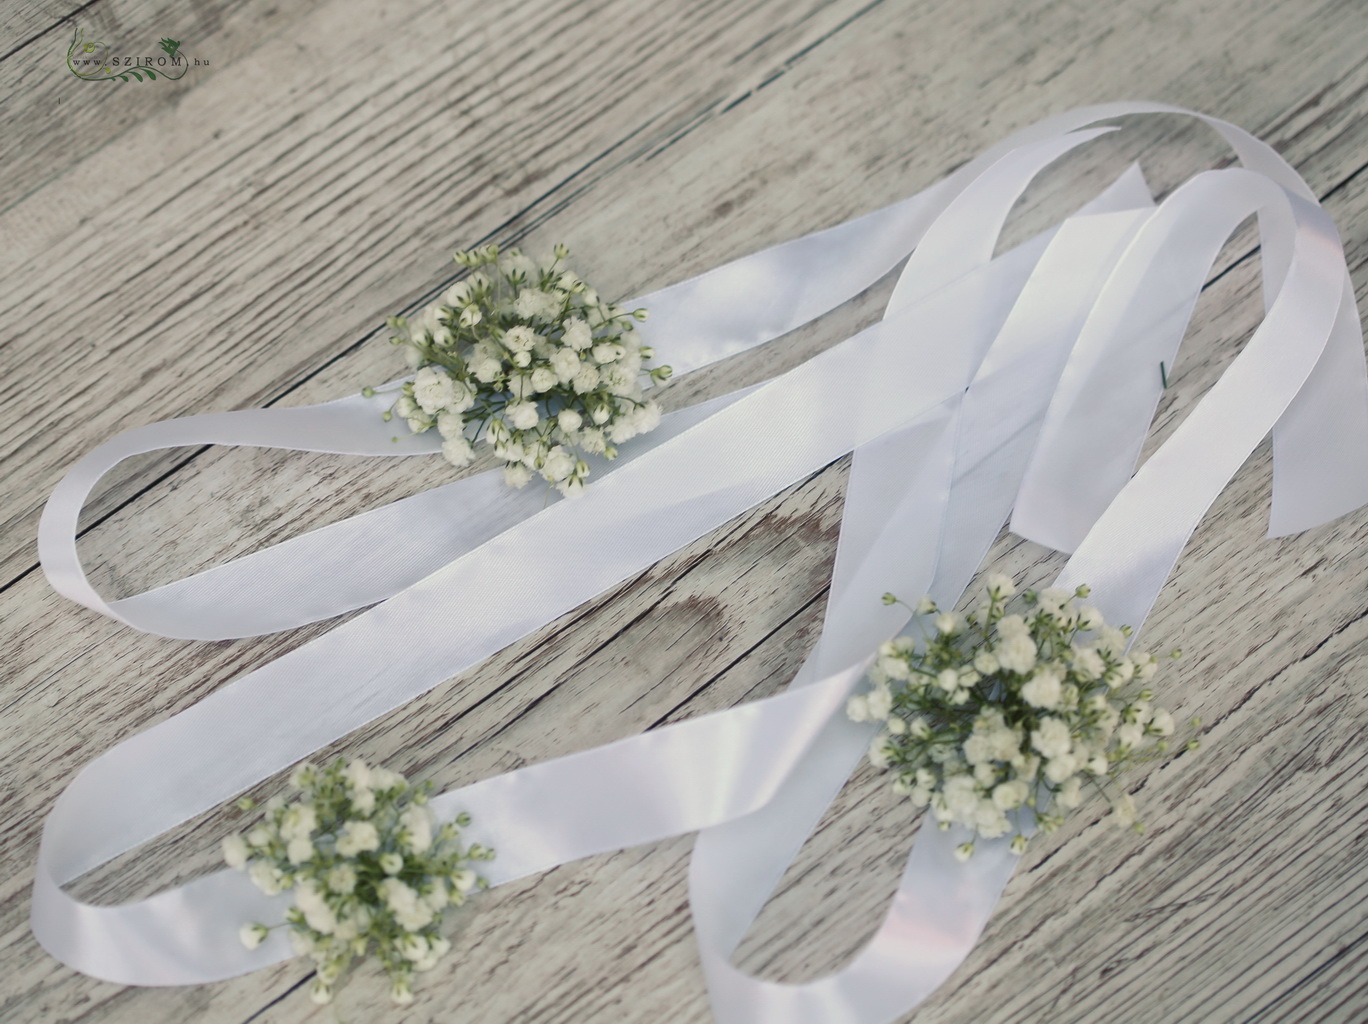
x=1020 y=386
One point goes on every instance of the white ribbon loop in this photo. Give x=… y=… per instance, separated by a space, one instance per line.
x=939 y=909
x=963 y=402
x=371 y=557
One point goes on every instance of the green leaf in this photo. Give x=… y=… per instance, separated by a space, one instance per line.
x=151 y=74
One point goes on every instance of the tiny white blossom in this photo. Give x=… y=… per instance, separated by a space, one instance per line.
x=235 y=852
x=520 y=338
x=544 y=379
x=1000 y=585
x=1017 y=653
x=433 y=389
x=565 y=364
x=1123 y=811
x=880 y=703
x=1051 y=737
x=1088 y=663
x=457 y=451
x=522 y=415
x=949 y=623
x=299 y=850
x=559 y=464
x=1045 y=688
x=577 y=334
x=358 y=837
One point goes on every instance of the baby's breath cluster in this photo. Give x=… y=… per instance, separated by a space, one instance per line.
x=370 y=869
x=528 y=358
x=999 y=719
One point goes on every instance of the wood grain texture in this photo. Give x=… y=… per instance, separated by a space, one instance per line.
x=236 y=238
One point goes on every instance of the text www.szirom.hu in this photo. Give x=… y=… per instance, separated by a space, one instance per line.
x=138 y=62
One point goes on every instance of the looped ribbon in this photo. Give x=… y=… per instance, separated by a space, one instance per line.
x=1013 y=387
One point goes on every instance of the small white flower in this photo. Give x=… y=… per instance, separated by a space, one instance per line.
x=559 y=464
x=586 y=379
x=363 y=801
x=433 y=389
x=1070 y=794
x=1017 y=652
x=522 y=415
x=544 y=379
x=1008 y=795
x=253 y=935
x=520 y=338
x=265 y=876
x=1051 y=737
x=486 y=369
x=235 y=852
x=857 y=708
x=577 y=334
x=1012 y=625
x=299 y=850
x=1088 y=663
x=1055 y=599
x=358 y=837
x=1131 y=734
x=1000 y=585
x=893 y=667
x=606 y=352
x=1062 y=767
x=517 y=475
x=565 y=363
x=532 y=304
x=457 y=451
x=1123 y=811
x=451 y=424
x=880 y=703
x=1045 y=687
x=647 y=417
x=878 y=751
x=949 y=623
x=342 y=879
x=416 y=822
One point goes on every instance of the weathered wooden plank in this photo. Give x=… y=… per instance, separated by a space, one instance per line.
x=881 y=163
x=89 y=117
x=1211 y=917
x=265 y=232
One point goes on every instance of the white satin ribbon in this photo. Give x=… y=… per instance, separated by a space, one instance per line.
x=972 y=370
